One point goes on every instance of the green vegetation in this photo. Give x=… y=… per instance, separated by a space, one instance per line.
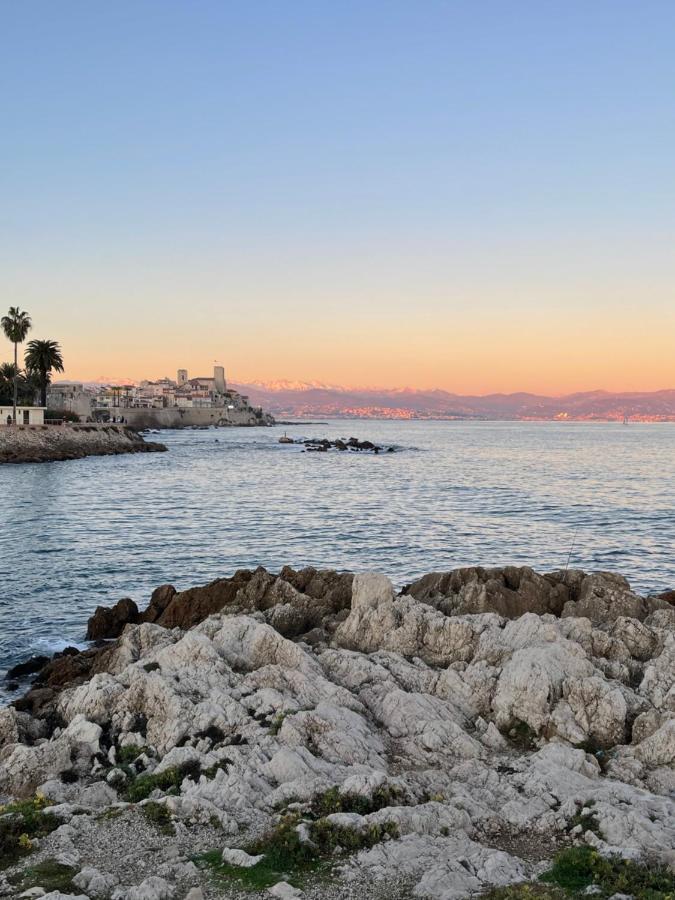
x=329 y=837
x=256 y=878
x=587 y=820
x=168 y=781
x=525 y=892
x=287 y=856
x=522 y=736
x=159 y=816
x=19 y=823
x=16 y=325
x=48 y=874
x=41 y=359
x=578 y=868
x=127 y=755
x=141 y=787
x=332 y=801
x=210 y=773
x=277 y=722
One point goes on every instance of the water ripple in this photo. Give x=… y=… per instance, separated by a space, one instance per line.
x=77 y=534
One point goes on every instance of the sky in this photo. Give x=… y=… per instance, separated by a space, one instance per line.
x=471 y=195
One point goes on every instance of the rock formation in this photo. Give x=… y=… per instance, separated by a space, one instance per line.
x=435 y=743
x=50 y=443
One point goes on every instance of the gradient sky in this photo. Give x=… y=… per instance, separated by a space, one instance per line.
x=477 y=196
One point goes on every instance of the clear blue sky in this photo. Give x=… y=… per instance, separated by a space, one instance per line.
x=318 y=189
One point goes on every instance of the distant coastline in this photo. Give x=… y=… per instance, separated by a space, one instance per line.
x=332 y=402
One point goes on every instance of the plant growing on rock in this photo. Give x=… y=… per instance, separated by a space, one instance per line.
x=159 y=816
x=333 y=801
x=19 y=823
x=579 y=868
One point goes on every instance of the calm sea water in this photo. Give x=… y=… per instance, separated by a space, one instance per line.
x=77 y=534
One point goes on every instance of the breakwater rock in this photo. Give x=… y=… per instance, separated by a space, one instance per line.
x=318 y=728
x=48 y=443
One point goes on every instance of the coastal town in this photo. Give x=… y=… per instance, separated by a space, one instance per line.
x=165 y=403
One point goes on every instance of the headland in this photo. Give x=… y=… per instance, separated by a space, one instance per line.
x=49 y=443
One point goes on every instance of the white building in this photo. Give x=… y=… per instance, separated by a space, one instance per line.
x=25 y=415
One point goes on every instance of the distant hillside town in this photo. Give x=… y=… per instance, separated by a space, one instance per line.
x=165 y=403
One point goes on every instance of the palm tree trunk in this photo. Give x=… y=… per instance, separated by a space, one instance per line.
x=16 y=378
x=43 y=390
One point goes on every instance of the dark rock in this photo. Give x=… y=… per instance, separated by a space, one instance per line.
x=34 y=701
x=110 y=622
x=512 y=591
x=160 y=599
x=29 y=667
x=508 y=591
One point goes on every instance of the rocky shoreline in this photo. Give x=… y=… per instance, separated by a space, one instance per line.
x=51 y=443
x=315 y=733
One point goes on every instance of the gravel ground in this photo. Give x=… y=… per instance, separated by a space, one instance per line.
x=127 y=846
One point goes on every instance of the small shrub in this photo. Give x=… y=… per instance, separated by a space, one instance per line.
x=159 y=816
x=126 y=755
x=522 y=736
x=277 y=722
x=333 y=801
x=577 y=868
x=19 y=823
x=168 y=781
x=329 y=837
x=587 y=820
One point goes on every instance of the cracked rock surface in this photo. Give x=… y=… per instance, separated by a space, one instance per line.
x=478 y=722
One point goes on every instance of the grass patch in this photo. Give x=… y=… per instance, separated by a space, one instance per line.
x=288 y=857
x=577 y=868
x=168 y=781
x=159 y=816
x=48 y=874
x=21 y=822
x=126 y=755
x=525 y=892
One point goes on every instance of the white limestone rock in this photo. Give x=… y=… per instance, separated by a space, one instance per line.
x=235 y=857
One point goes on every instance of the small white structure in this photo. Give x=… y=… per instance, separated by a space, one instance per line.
x=25 y=415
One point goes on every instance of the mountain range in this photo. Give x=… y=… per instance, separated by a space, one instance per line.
x=310 y=399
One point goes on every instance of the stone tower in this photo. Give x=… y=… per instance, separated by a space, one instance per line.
x=219 y=379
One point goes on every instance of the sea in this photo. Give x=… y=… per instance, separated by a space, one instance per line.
x=76 y=534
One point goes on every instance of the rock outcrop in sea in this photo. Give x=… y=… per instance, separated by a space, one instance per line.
x=318 y=729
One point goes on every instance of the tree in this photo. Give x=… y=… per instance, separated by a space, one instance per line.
x=42 y=358
x=27 y=387
x=16 y=325
x=6 y=383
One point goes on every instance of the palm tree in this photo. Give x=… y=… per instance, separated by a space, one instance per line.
x=6 y=382
x=42 y=358
x=16 y=325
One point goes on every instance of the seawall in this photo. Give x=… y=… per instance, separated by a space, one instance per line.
x=192 y=417
x=47 y=443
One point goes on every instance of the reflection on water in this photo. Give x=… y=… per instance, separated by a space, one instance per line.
x=80 y=533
